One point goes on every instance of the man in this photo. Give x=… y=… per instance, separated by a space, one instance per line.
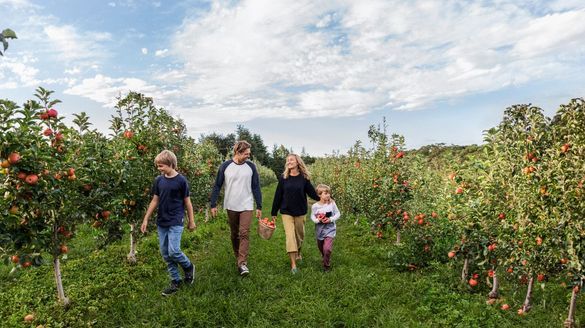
x=242 y=187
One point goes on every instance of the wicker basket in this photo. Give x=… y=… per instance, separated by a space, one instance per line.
x=264 y=230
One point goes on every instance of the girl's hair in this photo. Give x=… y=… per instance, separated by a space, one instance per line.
x=166 y=157
x=241 y=146
x=301 y=166
x=321 y=188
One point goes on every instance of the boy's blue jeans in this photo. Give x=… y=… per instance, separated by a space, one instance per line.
x=169 y=239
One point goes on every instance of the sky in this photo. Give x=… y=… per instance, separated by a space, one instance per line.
x=307 y=74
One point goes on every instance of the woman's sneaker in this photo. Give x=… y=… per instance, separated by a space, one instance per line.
x=190 y=274
x=243 y=269
x=173 y=288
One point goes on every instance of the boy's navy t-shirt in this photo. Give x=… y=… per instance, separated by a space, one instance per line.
x=171 y=205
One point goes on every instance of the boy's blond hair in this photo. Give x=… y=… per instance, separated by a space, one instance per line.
x=321 y=188
x=166 y=157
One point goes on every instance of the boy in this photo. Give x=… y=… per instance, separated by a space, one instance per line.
x=324 y=213
x=171 y=196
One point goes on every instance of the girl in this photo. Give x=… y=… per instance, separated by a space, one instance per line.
x=324 y=213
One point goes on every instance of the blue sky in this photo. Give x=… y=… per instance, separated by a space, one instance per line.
x=312 y=74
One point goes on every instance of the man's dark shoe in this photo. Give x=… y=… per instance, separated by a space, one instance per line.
x=190 y=274
x=172 y=288
x=243 y=269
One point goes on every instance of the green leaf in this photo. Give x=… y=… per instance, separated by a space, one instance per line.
x=9 y=34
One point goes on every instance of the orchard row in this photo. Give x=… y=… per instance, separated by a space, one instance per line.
x=56 y=177
x=514 y=206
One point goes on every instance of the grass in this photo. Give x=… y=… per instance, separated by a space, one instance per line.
x=362 y=290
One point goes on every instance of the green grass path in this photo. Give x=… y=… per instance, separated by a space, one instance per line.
x=361 y=291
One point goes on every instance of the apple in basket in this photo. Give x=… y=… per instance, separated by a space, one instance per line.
x=268 y=223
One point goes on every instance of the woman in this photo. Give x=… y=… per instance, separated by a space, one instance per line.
x=290 y=199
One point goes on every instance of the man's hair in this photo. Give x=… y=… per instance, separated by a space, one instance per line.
x=166 y=157
x=241 y=146
x=321 y=188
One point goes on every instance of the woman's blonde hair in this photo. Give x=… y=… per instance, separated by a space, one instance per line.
x=301 y=166
x=166 y=157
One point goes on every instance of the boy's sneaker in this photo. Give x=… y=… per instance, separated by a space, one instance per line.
x=243 y=269
x=294 y=270
x=190 y=274
x=172 y=288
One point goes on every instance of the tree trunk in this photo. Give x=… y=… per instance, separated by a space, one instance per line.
x=465 y=271
x=528 y=300
x=494 y=293
x=60 y=292
x=398 y=237
x=570 y=322
x=132 y=255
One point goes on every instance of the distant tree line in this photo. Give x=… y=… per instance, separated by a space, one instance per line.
x=274 y=160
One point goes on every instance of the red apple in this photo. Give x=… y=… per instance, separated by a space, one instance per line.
x=29 y=318
x=52 y=112
x=106 y=214
x=538 y=241
x=32 y=179
x=565 y=148
x=14 y=158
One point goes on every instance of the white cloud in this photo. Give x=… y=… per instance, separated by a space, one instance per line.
x=19 y=4
x=144 y=51
x=73 y=71
x=104 y=89
x=261 y=58
x=16 y=72
x=161 y=52
x=74 y=46
x=112 y=4
x=170 y=76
